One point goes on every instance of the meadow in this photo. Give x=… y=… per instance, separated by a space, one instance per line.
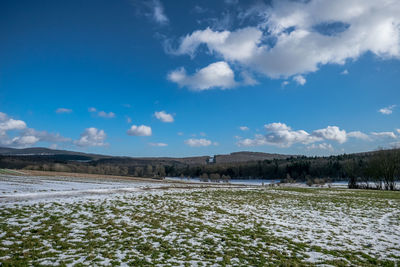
x=172 y=225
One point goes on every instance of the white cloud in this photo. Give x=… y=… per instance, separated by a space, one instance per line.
x=323 y=146
x=46 y=136
x=387 y=110
x=239 y=45
x=345 y=72
x=163 y=116
x=63 y=110
x=331 y=133
x=3 y=116
x=198 y=142
x=180 y=133
x=248 y=79
x=141 y=130
x=384 y=135
x=299 y=79
x=307 y=34
x=259 y=140
x=158 y=144
x=244 y=128
x=281 y=135
x=217 y=74
x=24 y=136
x=24 y=141
x=103 y=114
x=92 y=137
x=53 y=146
x=11 y=124
x=284 y=83
x=106 y=115
x=158 y=13
x=398 y=131
x=358 y=135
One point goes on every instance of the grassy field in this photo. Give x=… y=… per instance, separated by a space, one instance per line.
x=202 y=227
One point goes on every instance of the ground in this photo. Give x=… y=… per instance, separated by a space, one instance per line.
x=123 y=222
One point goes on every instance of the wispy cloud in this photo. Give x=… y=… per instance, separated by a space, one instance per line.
x=158 y=144
x=106 y=115
x=63 y=110
x=384 y=134
x=299 y=79
x=159 y=13
x=387 y=110
x=322 y=146
x=102 y=114
x=202 y=142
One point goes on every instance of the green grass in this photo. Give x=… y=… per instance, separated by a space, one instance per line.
x=8 y=172
x=207 y=227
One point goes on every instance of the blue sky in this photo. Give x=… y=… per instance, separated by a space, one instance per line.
x=181 y=78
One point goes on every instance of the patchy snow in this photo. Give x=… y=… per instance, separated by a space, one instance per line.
x=103 y=222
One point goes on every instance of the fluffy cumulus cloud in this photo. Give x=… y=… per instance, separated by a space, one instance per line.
x=387 y=110
x=217 y=74
x=282 y=135
x=141 y=130
x=9 y=124
x=198 y=142
x=92 y=137
x=21 y=135
x=244 y=128
x=331 y=133
x=63 y=110
x=298 y=37
x=163 y=116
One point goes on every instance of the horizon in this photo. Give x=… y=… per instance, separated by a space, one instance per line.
x=153 y=78
x=202 y=155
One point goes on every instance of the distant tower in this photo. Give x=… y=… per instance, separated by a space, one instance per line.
x=211 y=159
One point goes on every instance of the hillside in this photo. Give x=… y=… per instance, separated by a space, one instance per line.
x=199 y=160
x=246 y=156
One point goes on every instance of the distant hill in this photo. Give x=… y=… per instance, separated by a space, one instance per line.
x=199 y=160
x=43 y=151
x=246 y=156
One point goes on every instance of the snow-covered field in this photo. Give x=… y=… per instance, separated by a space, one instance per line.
x=129 y=225
x=14 y=188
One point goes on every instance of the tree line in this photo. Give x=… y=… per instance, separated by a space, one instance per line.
x=378 y=169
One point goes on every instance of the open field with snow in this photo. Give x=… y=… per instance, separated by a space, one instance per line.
x=64 y=220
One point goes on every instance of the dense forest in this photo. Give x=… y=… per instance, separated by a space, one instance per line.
x=379 y=169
